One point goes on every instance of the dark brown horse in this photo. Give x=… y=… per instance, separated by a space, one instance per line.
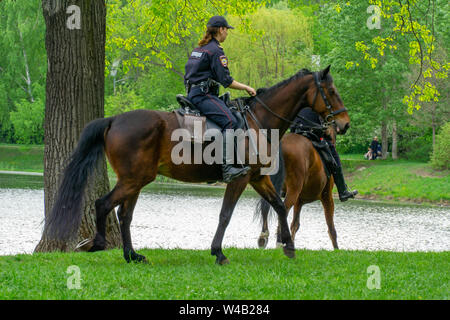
x=303 y=179
x=138 y=146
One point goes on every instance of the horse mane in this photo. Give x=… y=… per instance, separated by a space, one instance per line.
x=265 y=92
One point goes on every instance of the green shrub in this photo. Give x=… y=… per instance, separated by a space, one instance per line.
x=28 y=121
x=122 y=102
x=440 y=159
x=415 y=143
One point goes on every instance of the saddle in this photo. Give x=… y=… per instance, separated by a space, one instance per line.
x=189 y=116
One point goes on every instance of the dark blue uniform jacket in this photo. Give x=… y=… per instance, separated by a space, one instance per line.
x=206 y=62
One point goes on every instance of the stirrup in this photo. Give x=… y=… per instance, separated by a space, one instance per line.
x=229 y=173
x=347 y=195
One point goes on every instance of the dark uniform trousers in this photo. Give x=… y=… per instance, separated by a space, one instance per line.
x=213 y=108
x=334 y=153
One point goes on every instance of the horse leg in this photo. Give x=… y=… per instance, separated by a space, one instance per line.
x=291 y=198
x=266 y=190
x=295 y=224
x=328 y=206
x=103 y=207
x=125 y=215
x=126 y=196
x=232 y=193
x=264 y=236
x=279 y=241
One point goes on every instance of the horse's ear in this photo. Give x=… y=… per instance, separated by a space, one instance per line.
x=325 y=72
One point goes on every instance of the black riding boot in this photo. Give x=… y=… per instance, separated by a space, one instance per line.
x=344 y=193
x=229 y=172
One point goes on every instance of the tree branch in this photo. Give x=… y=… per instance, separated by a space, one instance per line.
x=418 y=41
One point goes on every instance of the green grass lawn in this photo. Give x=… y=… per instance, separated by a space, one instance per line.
x=400 y=180
x=22 y=158
x=252 y=274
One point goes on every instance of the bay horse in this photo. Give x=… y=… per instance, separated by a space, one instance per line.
x=303 y=179
x=138 y=146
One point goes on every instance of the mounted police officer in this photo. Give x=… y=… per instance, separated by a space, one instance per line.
x=207 y=67
x=306 y=118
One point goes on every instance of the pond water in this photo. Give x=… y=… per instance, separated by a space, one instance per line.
x=187 y=218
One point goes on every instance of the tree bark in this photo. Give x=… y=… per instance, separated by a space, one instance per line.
x=27 y=77
x=384 y=140
x=394 y=140
x=74 y=97
x=433 y=122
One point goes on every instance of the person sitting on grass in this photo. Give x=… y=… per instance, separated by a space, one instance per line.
x=374 y=147
x=368 y=155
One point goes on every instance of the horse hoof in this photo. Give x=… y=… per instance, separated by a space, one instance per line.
x=222 y=262
x=288 y=252
x=140 y=259
x=262 y=243
x=95 y=248
x=134 y=257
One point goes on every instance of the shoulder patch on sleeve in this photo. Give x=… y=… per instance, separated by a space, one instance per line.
x=224 y=61
x=196 y=54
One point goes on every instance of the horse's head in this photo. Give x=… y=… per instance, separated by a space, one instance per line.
x=326 y=101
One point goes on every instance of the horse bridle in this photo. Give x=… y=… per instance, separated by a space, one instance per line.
x=331 y=114
x=328 y=118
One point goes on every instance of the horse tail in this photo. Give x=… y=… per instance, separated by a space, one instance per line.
x=65 y=218
x=277 y=181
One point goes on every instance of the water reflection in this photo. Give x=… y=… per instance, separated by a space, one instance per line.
x=169 y=217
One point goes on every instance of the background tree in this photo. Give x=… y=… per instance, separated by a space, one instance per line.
x=23 y=67
x=418 y=23
x=75 y=44
x=373 y=90
x=275 y=51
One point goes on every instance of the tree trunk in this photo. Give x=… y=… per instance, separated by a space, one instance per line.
x=433 y=123
x=27 y=77
x=74 y=97
x=394 y=140
x=384 y=140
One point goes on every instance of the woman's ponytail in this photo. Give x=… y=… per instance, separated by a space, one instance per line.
x=210 y=33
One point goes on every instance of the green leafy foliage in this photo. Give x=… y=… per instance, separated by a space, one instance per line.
x=23 y=62
x=416 y=143
x=157 y=32
x=441 y=153
x=121 y=102
x=276 y=53
x=28 y=121
x=414 y=22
